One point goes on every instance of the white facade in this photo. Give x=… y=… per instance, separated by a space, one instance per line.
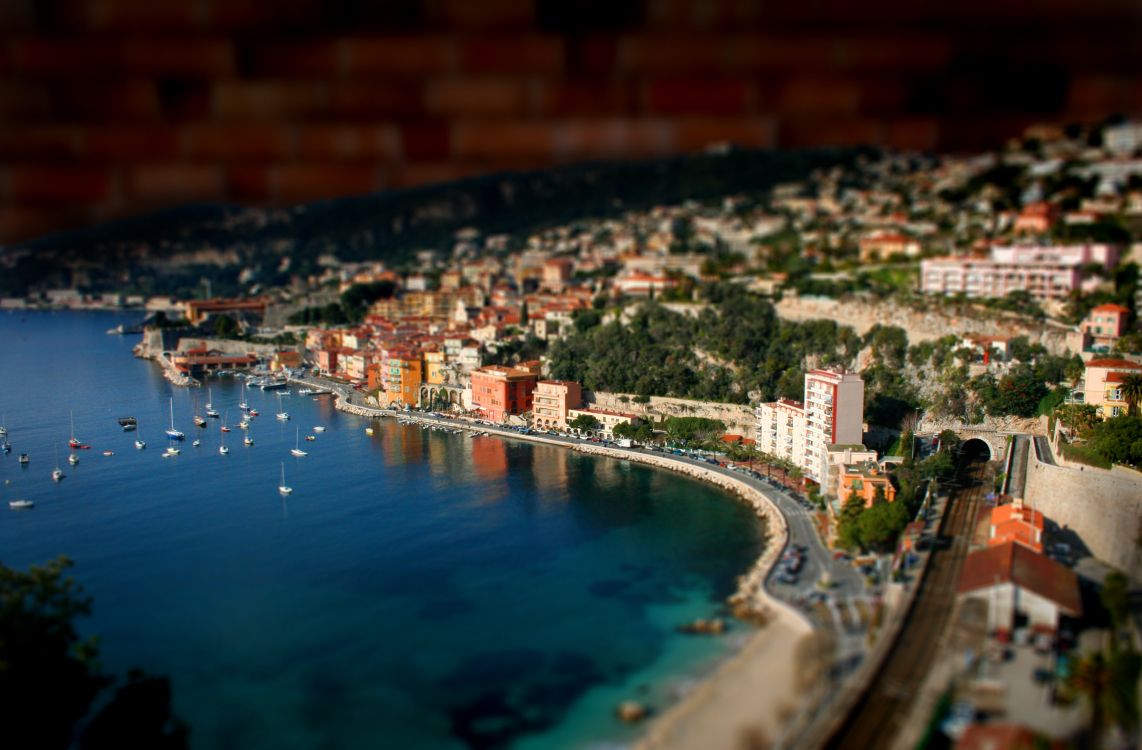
x=832 y=412
x=1005 y=600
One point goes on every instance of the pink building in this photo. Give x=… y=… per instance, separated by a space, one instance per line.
x=551 y=402
x=1044 y=272
x=1105 y=324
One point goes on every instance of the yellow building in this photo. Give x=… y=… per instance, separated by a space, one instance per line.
x=1102 y=384
x=435 y=368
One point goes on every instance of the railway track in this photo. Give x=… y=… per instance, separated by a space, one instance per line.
x=885 y=704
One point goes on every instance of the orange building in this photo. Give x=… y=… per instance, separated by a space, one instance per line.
x=1016 y=523
x=403 y=376
x=864 y=479
x=500 y=391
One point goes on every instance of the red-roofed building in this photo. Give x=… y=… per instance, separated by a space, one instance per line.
x=500 y=392
x=1105 y=324
x=1102 y=384
x=1017 y=523
x=1036 y=218
x=1020 y=587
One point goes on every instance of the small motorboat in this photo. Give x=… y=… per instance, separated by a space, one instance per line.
x=21 y=504
x=199 y=421
x=171 y=451
x=369 y=431
x=319 y=428
x=24 y=459
x=252 y=412
x=6 y=446
x=223 y=450
x=57 y=474
x=196 y=443
x=108 y=453
x=244 y=424
x=73 y=459
x=128 y=423
x=311 y=438
x=248 y=440
x=140 y=445
x=224 y=428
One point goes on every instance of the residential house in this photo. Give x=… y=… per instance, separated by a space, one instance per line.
x=1104 y=325
x=884 y=245
x=865 y=480
x=1102 y=385
x=1015 y=522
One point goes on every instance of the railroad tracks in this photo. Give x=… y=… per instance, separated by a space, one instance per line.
x=885 y=704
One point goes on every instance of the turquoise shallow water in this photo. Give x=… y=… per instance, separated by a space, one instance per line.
x=418 y=589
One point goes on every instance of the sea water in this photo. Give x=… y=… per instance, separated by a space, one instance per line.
x=418 y=589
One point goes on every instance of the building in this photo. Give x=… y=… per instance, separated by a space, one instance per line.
x=1043 y=272
x=552 y=401
x=643 y=284
x=837 y=457
x=885 y=245
x=405 y=373
x=1102 y=385
x=608 y=420
x=1036 y=218
x=865 y=480
x=499 y=392
x=1104 y=325
x=1020 y=588
x=197 y=311
x=1015 y=522
x=801 y=432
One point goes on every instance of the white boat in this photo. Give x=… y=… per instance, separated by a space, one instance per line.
x=244 y=424
x=210 y=410
x=171 y=451
x=242 y=404
x=57 y=474
x=73 y=459
x=196 y=443
x=319 y=428
x=21 y=504
x=284 y=488
x=140 y=445
x=73 y=441
x=248 y=441
x=282 y=414
x=305 y=391
x=5 y=446
x=369 y=431
x=222 y=449
x=172 y=433
x=297 y=451
x=23 y=459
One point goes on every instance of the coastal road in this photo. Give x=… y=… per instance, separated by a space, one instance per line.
x=887 y=701
x=1018 y=479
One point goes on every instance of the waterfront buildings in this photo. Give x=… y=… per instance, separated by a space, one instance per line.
x=1044 y=272
x=607 y=420
x=801 y=432
x=499 y=391
x=552 y=401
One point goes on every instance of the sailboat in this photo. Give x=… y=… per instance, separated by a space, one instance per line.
x=222 y=449
x=282 y=414
x=297 y=451
x=210 y=410
x=3 y=426
x=248 y=441
x=226 y=423
x=284 y=488
x=73 y=442
x=57 y=472
x=242 y=404
x=73 y=459
x=172 y=433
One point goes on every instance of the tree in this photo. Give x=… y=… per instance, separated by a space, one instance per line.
x=1118 y=440
x=584 y=423
x=225 y=327
x=523 y=316
x=1132 y=393
x=1116 y=598
x=49 y=678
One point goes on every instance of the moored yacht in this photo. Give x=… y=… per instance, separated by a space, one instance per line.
x=172 y=433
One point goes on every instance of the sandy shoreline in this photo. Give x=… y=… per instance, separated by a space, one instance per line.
x=751 y=696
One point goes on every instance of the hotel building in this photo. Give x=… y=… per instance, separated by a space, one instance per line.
x=1044 y=272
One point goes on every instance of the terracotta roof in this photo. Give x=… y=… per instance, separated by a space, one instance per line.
x=1110 y=307
x=1016 y=564
x=1123 y=364
x=1013 y=513
x=1000 y=737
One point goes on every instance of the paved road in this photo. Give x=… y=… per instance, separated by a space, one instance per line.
x=1043 y=450
x=1018 y=479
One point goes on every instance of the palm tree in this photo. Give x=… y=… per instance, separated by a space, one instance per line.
x=1132 y=392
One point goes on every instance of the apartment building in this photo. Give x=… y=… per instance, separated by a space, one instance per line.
x=1044 y=272
x=552 y=401
x=1102 y=385
x=832 y=412
x=500 y=392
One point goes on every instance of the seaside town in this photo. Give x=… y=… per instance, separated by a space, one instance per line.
x=924 y=372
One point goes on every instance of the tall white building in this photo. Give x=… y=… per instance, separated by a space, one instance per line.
x=832 y=413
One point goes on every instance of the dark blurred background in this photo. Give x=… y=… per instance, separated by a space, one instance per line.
x=113 y=107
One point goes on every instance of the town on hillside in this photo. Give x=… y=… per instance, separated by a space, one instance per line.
x=856 y=338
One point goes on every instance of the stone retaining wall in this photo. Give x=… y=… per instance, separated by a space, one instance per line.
x=738 y=418
x=1103 y=507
